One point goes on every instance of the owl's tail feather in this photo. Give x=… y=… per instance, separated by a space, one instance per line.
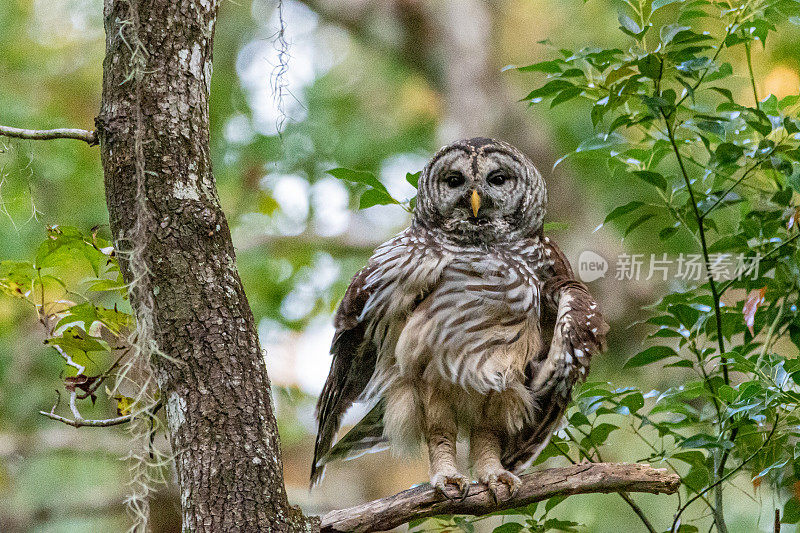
x=524 y=448
x=365 y=437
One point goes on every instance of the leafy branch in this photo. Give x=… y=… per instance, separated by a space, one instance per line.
x=665 y=102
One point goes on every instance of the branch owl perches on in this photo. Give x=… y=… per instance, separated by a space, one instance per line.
x=468 y=322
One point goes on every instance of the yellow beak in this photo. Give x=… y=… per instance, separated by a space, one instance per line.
x=475 y=201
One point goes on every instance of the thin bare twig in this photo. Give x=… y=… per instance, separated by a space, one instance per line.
x=86 y=136
x=82 y=422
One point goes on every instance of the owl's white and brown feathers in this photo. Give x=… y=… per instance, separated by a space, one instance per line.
x=470 y=321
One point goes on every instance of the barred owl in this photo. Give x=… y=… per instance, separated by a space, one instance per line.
x=470 y=322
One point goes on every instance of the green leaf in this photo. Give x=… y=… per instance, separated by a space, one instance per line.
x=683 y=363
x=658 y=4
x=561 y=525
x=417 y=522
x=724 y=71
x=724 y=92
x=693 y=458
x=618 y=74
x=701 y=440
x=552 y=502
x=690 y=14
x=758 y=120
x=75 y=339
x=68 y=244
x=548 y=89
x=636 y=223
x=600 y=433
x=376 y=194
x=668 y=232
x=566 y=95
x=669 y=31
x=665 y=333
x=628 y=25
x=103 y=285
x=788 y=101
x=687 y=315
x=509 y=527
x=650 y=66
x=599 y=142
x=727 y=153
x=358 y=176
x=372 y=197
x=573 y=73
x=657 y=104
x=791 y=512
x=413 y=179
x=88 y=313
x=650 y=355
x=729 y=243
x=623 y=210
x=464 y=524
x=711 y=127
x=16 y=278
x=769 y=105
x=579 y=419
x=653 y=178
x=633 y=402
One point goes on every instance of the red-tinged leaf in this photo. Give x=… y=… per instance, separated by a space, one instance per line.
x=754 y=299
x=73 y=382
x=81 y=381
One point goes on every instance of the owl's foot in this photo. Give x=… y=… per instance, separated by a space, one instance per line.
x=495 y=477
x=441 y=479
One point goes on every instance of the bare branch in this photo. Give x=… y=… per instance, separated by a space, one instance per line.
x=423 y=501
x=45 y=135
x=80 y=368
x=81 y=422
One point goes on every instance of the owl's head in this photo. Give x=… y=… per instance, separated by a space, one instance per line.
x=481 y=191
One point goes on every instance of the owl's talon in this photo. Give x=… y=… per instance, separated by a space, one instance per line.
x=440 y=480
x=465 y=490
x=493 y=479
x=492 y=486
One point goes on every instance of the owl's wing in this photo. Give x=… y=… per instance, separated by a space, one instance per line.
x=578 y=332
x=351 y=369
x=398 y=276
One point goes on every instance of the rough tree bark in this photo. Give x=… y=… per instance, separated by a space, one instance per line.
x=154 y=136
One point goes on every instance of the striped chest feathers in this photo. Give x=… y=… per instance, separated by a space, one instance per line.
x=478 y=328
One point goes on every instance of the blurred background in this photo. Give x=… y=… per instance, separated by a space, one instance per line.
x=374 y=86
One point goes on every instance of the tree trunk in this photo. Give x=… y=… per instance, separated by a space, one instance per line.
x=174 y=245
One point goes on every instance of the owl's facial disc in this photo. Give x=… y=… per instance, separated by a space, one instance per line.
x=481 y=194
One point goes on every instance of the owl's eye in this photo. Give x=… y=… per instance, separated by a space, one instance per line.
x=497 y=178
x=454 y=179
